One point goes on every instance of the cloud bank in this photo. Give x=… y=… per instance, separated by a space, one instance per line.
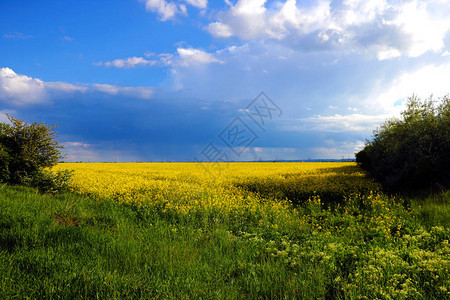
x=22 y=90
x=389 y=29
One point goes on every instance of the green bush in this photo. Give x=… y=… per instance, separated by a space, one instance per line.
x=414 y=150
x=51 y=182
x=25 y=151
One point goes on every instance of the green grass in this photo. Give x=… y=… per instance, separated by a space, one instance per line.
x=69 y=246
x=432 y=209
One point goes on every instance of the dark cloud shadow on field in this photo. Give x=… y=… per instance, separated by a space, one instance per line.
x=335 y=184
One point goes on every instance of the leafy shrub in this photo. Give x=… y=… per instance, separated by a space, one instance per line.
x=25 y=151
x=51 y=182
x=413 y=151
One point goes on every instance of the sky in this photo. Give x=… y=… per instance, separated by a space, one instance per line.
x=203 y=80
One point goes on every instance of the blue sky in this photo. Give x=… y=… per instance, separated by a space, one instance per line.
x=181 y=80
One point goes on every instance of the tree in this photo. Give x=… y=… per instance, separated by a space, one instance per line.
x=414 y=150
x=26 y=150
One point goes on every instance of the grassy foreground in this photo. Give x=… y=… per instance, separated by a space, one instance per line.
x=303 y=235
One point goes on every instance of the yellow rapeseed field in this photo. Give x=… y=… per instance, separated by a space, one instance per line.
x=225 y=184
x=263 y=192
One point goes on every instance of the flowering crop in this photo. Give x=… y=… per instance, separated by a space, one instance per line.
x=183 y=188
x=305 y=216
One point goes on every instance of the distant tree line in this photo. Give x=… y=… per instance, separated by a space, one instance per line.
x=26 y=153
x=412 y=151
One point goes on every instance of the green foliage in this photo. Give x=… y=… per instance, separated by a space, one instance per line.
x=25 y=151
x=70 y=246
x=51 y=182
x=413 y=151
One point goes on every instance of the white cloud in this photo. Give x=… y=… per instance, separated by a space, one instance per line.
x=338 y=123
x=166 y=59
x=64 y=87
x=17 y=35
x=22 y=90
x=245 y=19
x=338 y=149
x=84 y=151
x=302 y=21
x=357 y=12
x=220 y=30
x=139 y=92
x=81 y=151
x=198 y=3
x=183 y=9
x=165 y=10
x=426 y=30
x=387 y=29
x=250 y=7
x=168 y=10
x=250 y=19
x=269 y=153
x=431 y=79
x=130 y=62
x=236 y=50
x=78 y=144
x=185 y=57
x=191 y=56
x=387 y=53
